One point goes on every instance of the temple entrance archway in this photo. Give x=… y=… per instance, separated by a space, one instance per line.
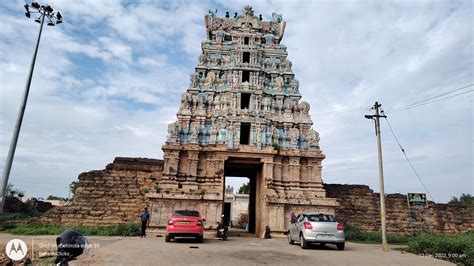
x=250 y=168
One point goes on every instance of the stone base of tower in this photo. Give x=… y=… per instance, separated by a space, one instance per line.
x=274 y=215
x=281 y=182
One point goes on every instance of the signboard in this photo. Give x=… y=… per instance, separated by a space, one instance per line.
x=417 y=200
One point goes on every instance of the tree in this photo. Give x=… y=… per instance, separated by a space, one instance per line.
x=12 y=191
x=464 y=199
x=51 y=197
x=73 y=187
x=245 y=188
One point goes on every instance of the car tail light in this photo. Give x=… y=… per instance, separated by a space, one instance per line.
x=199 y=222
x=340 y=227
x=307 y=225
x=170 y=222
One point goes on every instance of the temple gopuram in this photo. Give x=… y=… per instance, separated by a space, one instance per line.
x=242 y=116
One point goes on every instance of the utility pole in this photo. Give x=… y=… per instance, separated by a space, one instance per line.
x=376 y=118
x=53 y=18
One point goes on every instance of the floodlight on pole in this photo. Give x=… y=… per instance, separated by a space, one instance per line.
x=44 y=12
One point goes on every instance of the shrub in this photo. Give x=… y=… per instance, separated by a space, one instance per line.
x=356 y=235
x=457 y=248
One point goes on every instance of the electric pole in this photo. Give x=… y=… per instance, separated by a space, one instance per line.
x=376 y=118
x=53 y=18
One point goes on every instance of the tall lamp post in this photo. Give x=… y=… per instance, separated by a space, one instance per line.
x=45 y=12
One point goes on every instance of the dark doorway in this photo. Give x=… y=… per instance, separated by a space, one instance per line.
x=244 y=101
x=246 y=57
x=244 y=133
x=246 y=40
x=245 y=76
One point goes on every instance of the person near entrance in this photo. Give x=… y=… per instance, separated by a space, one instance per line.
x=144 y=217
x=293 y=218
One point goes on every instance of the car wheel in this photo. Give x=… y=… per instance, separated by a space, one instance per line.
x=303 y=242
x=200 y=239
x=167 y=238
x=322 y=244
x=290 y=241
x=341 y=246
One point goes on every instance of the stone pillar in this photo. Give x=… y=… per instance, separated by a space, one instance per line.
x=314 y=170
x=171 y=160
x=263 y=179
x=304 y=172
x=277 y=169
x=193 y=157
x=294 y=169
x=268 y=170
x=285 y=173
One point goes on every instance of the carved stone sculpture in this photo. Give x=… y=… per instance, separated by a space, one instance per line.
x=210 y=79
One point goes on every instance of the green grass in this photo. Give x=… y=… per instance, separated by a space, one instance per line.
x=10 y=216
x=130 y=229
x=458 y=248
x=356 y=235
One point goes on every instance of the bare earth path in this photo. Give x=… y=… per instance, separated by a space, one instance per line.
x=235 y=251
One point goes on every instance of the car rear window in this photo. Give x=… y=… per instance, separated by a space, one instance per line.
x=321 y=218
x=186 y=213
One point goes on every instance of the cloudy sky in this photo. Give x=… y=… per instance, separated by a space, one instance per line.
x=108 y=80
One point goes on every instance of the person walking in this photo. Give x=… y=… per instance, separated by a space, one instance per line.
x=144 y=217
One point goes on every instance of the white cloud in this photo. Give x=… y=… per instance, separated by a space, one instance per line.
x=107 y=83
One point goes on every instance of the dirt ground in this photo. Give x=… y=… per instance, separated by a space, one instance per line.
x=235 y=251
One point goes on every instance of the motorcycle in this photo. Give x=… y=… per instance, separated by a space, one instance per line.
x=222 y=229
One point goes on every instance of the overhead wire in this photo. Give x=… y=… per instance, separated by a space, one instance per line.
x=433 y=99
x=406 y=157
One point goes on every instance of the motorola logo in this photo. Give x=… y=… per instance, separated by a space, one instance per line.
x=16 y=249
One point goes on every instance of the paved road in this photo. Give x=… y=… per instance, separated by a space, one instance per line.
x=235 y=251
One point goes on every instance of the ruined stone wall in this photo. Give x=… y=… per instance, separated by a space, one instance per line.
x=115 y=195
x=360 y=207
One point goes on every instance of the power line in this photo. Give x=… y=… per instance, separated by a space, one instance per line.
x=406 y=157
x=425 y=103
x=433 y=99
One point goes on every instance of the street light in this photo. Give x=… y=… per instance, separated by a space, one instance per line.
x=44 y=11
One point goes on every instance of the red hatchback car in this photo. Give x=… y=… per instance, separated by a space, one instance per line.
x=185 y=223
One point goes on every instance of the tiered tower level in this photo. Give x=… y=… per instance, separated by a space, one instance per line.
x=242 y=116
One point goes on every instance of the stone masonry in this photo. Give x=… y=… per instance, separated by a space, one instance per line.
x=116 y=195
x=360 y=207
x=111 y=196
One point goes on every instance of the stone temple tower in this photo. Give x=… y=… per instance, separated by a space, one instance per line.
x=242 y=116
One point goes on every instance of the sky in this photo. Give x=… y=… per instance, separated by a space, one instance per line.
x=108 y=80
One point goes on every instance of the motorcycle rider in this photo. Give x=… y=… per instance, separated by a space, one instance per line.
x=222 y=228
